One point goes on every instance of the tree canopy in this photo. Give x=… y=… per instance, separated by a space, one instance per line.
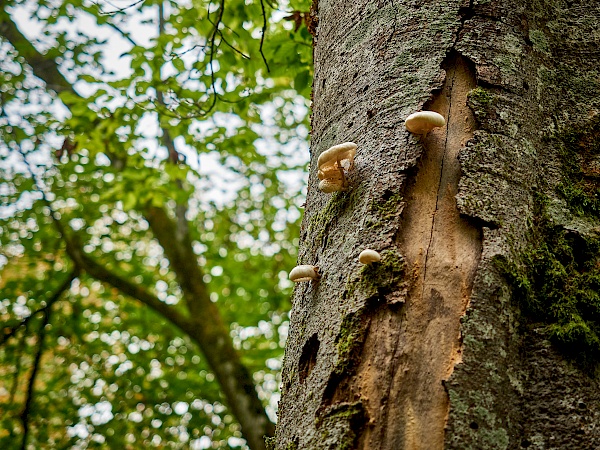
x=152 y=159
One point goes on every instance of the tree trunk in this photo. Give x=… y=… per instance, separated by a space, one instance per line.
x=479 y=327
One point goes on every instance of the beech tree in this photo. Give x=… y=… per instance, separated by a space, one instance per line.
x=150 y=182
x=479 y=328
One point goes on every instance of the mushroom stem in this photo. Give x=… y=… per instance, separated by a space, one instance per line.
x=341 y=170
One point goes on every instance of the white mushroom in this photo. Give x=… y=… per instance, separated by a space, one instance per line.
x=330 y=173
x=424 y=121
x=304 y=273
x=330 y=185
x=332 y=163
x=338 y=154
x=369 y=256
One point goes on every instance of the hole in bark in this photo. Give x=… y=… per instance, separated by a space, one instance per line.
x=466 y=12
x=308 y=359
x=350 y=124
x=480 y=223
x=365 y=89
x=323 y=83
x=525 y=85
x=474 y=425
x=355 y=75
x=525 y=443
x=387 y=195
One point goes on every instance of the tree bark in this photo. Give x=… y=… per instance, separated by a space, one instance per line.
x=435 y=346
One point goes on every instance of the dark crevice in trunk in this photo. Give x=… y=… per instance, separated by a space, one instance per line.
x=308 y=359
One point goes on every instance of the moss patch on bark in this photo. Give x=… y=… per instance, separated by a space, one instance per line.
x=481 y=96
x=387 y=210
x=350 y=341
x=580 y=152
x=338 y=425
x=339 y=202
x=378 y=278
x=557 y=286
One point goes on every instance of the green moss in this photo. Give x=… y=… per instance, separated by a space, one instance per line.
x=580 y=190
x=481 y=96
x=539 y=41
x=578 y=187
x=346 y=410
x=350 y=341
x=372 y=281
x=270 y=443
x=378 y=278
x=387 y=210
x=557 y=286
x=343 y=420
x=340 y=201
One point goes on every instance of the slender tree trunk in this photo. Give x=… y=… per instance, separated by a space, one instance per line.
x=456 y=339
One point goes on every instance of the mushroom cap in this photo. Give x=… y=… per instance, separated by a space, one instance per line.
x=424 y=121
x=369 y=256
x=329 y=185
x=304 y=273
x=337 y=154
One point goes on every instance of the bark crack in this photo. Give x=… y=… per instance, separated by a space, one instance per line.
x=466 y=13
x=440 y=179
x=421 y=344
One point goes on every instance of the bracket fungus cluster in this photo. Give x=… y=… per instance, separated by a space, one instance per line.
x=423 y=122
x=369 y=256
x=332 y=163
x=304 y=273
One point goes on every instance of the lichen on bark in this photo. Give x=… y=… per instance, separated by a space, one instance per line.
x=534 y=90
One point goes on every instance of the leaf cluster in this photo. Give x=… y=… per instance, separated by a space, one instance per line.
x=81 y=168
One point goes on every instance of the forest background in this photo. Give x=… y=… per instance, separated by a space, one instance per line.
x=153 y=159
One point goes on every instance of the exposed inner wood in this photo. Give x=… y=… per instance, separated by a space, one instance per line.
x=408 y=353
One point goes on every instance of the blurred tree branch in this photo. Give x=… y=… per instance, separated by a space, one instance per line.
x=10 y=332
x=37 y=358
x=43 y=67
x=203 y=323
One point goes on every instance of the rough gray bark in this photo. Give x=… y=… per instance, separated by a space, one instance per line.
x=431 y=349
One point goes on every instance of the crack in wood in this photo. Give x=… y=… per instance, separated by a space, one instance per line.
x=409 y=353
x=452 y=76
x=444 y=249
